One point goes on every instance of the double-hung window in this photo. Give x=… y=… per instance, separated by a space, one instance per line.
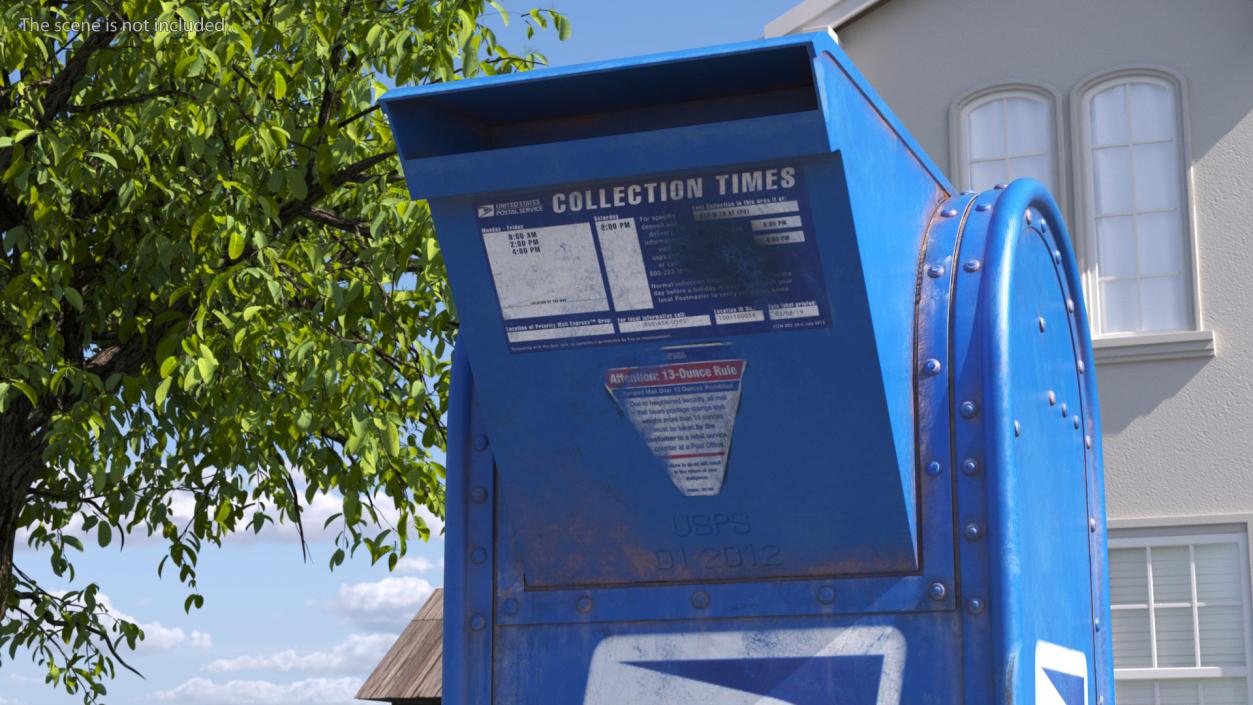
x=1181 y=619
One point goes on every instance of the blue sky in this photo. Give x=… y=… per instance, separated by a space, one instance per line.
x=275 y=630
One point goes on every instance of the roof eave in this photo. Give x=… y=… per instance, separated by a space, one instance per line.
x=803 y=17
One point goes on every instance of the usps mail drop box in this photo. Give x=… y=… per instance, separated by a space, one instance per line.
x=749 y=403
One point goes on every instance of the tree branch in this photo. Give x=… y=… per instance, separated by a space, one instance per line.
x=325 y=217
x=63 y=85
x=294 y=209
x=122 y=102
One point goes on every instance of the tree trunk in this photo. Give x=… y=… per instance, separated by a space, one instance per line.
x=19 y=464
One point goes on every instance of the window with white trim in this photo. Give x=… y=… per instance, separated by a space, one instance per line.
x=1181 y=619
x=1005 y=135
x=1139 y=241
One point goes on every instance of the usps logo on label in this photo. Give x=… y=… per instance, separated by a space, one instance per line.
x=858 y=665
x=487 y=211
x=1061 y=675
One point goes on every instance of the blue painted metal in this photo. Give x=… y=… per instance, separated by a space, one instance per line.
x=882 y=533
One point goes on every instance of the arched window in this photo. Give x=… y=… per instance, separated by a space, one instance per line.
x=1137 y=237
x=1005 y=133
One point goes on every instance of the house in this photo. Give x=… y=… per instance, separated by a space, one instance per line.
x=1138 y=115
x=412 y=672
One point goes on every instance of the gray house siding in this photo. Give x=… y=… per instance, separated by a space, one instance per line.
x=1178 y=433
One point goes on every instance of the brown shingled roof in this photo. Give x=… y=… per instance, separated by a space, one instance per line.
x=413 y=669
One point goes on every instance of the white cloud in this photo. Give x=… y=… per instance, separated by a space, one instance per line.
x=158 y=637
x=387 y=603
x=24 y=679
x=359 y=653
x=417 y=564
x=311 y=691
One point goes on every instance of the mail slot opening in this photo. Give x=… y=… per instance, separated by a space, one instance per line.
x=644 y=97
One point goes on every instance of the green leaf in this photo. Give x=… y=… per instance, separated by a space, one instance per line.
x=206 y=365
x=106 y=158
x=163 y=390
x=27 y=390
x=76 y=300
x=104 y=534
x=280 y=86
x=236 y=247
x=189 y=15
x=168 y=366
x=392 y=438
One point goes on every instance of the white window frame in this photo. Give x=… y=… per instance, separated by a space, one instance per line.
x=1183 y=531
x=1136 y=347
x=959 y=143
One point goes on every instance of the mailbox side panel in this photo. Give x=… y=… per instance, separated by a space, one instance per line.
x=1046 y=518
x=893 y=196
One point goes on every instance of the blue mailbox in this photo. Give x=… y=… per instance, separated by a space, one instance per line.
x=748 y=404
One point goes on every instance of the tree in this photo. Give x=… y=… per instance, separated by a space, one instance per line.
x=213 y=282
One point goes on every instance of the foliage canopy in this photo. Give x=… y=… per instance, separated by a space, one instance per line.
x=213 y=284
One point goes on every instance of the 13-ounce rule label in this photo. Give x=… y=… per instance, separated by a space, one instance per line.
x=708 y=254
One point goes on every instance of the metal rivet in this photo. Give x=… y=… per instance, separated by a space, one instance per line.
x=1027 y=216
x=983 y=207
x=935 y=271
x=479 y=554
x=509 y=606
x=1000 y=186
x=937 y=591
x=932 y=366
x=477 y=622
x=1076 y=420
x=934 y=468
x=973 y=532
x=948 y=212
x=1079 y=364
x=584 y=604
x=1100 y=700
x=1092 y=524
x=970 y=466
x=1040 y=322
x=826 y=594
x=700 y=599
x=1044 y=225
x=1087 y=441
x=1096 y=623
x=480 y=442
x=975 y=605
x=1052 y=398
x=969 y=409
x=1017 y=428
x=972 y=265
x=967 y=193
x=1070 y=305
x=1057 y=256
x=1065 y=411
x=478 y=495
